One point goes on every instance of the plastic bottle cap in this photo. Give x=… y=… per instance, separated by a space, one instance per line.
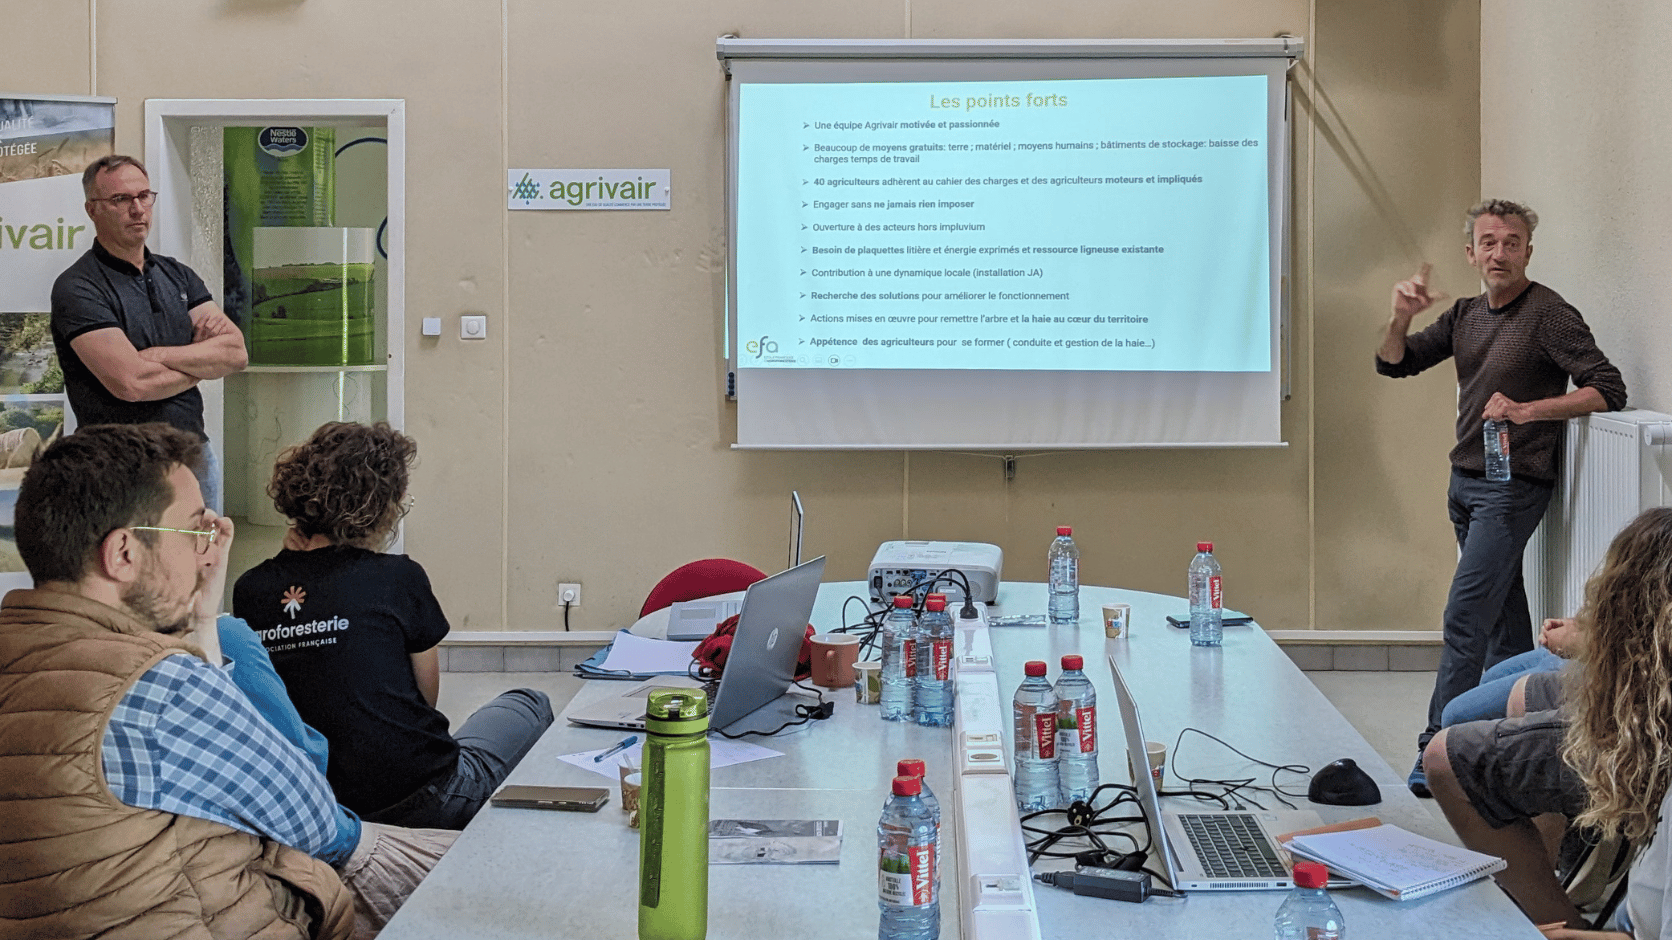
x=1307 y=874
x=1065 y=530
x=909 y=767
x=1204 y=546
x=907 y=786
x=1034 y=667
x=1073 y=661
x=902 y=600
x=930 y=597
x=935 y=602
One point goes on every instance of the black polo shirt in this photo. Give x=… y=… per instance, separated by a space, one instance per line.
x=101 y=290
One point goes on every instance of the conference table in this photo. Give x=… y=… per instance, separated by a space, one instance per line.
x=519 y=873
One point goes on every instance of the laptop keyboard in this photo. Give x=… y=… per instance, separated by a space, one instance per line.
x=1232 y=845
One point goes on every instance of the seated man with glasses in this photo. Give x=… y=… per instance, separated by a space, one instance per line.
x=135 y=331
x=354 y=632
x=143 y=794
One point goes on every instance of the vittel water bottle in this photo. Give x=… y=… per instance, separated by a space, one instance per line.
x=673 y=817
x=1035 y=714
x=1308 y=913
x=1497 y=450
x=1207 y=598
x=1064 y=560
x=899 y=660
x=907 y=883
x=913 y=767
x=932 y=686
x=1076 y=731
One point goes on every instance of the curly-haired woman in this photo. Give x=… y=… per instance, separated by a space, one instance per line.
x=1619 y=733
x=353 y=632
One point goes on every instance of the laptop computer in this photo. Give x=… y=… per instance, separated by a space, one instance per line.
x=1208 y=850
x=759 y=668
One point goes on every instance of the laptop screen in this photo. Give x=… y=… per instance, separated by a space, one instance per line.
x=1149 y=800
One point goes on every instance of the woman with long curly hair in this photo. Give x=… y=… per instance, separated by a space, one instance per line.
x=1619 y=705
x=354 y=634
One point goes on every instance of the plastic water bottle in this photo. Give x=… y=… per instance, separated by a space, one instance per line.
x=1497 y=450
x=1076 y=731
x=1308 y=913
x=899 y=660
x=908 y=890
x=673 y=817
x=1064 y=559
x=932 y=686
x=1035 y=714
x=913 y=767
x=1207 y=598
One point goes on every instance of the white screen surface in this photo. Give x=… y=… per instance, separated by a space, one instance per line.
x=1007 y=253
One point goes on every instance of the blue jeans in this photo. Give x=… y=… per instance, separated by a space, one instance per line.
x=1489 y=701
x=209 y=479
x=1486 y=619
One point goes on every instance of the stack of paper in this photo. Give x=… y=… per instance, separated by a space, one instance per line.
x=1399 y=864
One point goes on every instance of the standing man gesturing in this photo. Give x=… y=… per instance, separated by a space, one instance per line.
x=1516 y=346
x=135 y=331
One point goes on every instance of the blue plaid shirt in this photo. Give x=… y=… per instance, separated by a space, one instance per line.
x=184 y=740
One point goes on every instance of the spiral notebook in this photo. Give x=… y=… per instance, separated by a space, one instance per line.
x=1402 y=865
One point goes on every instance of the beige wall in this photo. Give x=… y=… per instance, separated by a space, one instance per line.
x=1576 y=119
x=587 y=439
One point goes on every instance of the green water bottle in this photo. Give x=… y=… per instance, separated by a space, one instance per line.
x=673 y=817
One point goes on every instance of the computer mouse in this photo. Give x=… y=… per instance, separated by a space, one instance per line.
x=1343 y=783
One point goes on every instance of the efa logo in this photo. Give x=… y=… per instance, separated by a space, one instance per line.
x=761 y=347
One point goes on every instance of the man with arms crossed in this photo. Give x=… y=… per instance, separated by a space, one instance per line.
x=135 y=331
x=1516 y=346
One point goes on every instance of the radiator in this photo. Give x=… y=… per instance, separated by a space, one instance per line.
x=1615 y=465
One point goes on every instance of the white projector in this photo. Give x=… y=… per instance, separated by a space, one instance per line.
x=904 y=567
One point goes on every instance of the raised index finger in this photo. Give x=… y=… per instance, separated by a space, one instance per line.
x=1422 y=274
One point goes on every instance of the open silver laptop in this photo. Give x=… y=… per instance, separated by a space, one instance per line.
x=1208 y=850
x=759 y=668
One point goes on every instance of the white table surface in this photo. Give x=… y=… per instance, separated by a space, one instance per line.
x=533 y=873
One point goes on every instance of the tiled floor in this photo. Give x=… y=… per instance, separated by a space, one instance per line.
x=1387 y=707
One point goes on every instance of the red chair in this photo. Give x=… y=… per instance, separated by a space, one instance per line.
x=703 y=578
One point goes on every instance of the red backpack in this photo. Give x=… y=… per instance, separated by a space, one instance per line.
x=711 y=653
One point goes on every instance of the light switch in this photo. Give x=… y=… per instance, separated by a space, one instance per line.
x=432 y=326
x=473 y=327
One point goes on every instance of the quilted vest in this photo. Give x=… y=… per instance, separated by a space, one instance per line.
x=77 y=862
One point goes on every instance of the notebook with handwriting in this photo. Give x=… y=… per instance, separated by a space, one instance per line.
x=1397 y=863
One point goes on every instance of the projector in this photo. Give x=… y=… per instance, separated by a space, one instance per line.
x=904 y=567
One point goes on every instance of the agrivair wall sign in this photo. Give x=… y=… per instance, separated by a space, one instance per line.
x=588 y=189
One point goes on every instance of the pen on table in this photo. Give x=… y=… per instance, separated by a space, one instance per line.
x=625 y=743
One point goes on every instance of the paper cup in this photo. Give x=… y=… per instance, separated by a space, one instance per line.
x=1157 y=753
x=867 y=683
x=1117 y=620
x=630 y=780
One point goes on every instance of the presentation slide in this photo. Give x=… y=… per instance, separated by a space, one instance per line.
x=1116 y=225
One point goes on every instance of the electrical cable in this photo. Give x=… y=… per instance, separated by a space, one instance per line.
x=804 y=713
x=1237 y=790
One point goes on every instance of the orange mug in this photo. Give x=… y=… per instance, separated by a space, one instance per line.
x=833 y=657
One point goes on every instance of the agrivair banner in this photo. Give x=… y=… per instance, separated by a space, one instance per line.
x=589 y=189
x=45 y=143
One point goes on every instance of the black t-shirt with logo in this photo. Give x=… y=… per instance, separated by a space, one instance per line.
x=341 y=625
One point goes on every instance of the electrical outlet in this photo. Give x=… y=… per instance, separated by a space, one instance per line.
x=569 y=594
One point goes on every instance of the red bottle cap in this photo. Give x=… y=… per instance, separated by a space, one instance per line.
x=1073 y=661
x=935 y=602
x=908 y=786
x=1034 y=667
x=909 y=767
x=902 y=600
x=1307 y=874
x=1204 y=546
x=1065 y=530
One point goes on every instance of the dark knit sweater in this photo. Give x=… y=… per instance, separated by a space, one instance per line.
x=1528 y=349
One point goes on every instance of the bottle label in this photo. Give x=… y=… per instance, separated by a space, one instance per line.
x=1077 y=730
x=940 y=652
x=905 y=872
x=1216 y=593
x=1045 y=735
x=909 y=647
